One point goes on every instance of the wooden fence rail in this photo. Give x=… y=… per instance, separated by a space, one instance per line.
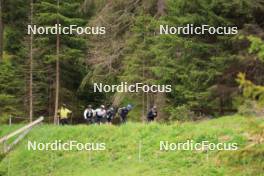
x=22 y=131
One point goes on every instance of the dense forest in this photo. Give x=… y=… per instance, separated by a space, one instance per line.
x=211 y=75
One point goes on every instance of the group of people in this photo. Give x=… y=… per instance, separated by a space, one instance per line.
x=103 y=115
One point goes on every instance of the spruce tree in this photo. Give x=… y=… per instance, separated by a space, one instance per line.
x=61 y=56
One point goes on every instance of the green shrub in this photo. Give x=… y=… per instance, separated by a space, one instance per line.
x=250 y=108
x=181 y=113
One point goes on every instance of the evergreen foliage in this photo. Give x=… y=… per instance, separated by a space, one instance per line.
x=202 y=69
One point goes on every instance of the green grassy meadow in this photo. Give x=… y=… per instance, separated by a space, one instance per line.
x=123 y=155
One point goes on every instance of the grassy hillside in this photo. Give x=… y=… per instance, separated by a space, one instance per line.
x=121 y=156
x=5 y=129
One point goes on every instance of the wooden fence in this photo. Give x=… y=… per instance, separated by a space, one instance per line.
x=22 y=132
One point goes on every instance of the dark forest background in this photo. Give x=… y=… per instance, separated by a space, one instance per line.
x=211 y=75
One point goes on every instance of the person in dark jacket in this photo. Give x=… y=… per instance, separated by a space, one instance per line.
x=123 y=112
x=152 y=114
x=110 y=114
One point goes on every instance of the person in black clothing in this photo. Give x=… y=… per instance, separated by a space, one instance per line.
x=110 y=113
x=152 y=114
x=123 y=113
x=89 y=114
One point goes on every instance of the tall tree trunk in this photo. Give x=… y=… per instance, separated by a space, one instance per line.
x=31 y=67
x=160 y=102
x=57 y=86
x=1 y=30
x=143 y=93
x=161 y=6
x=143 y=118
x=221 y=105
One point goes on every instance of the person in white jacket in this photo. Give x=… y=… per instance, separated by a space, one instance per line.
x=100 y=114
x=89 y=114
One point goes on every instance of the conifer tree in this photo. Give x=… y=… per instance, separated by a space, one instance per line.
x=1 y=32
x=62 y=56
